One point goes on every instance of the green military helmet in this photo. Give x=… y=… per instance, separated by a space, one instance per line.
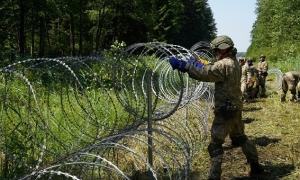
x=249 y=59
x=221 y=42
x=263 y=56
x=243 y=59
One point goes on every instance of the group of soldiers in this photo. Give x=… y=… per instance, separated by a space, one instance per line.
x=253 y=78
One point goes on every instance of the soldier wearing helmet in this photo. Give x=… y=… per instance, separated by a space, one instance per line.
x=291 y=82
x=226 y=73
x=262 y=72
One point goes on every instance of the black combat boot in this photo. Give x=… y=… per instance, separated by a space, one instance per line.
x=256 y=168
x=234 y=144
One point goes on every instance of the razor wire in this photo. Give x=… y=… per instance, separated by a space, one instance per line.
x=274 y=80
x=84 y=117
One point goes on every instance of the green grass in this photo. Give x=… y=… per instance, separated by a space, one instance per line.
x=275 y=128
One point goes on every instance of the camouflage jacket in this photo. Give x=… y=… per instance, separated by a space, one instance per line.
x=246 y=74
x=293 y=76
x=262 y=67
x=253 y=72
x=226 y=74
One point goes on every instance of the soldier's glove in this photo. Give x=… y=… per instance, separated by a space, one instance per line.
x=195 y=63
x=177 y=64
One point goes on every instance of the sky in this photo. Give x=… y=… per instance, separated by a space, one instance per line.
x=235 y=19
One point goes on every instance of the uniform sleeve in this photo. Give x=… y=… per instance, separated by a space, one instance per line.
x=209 y=73
x=262 y=67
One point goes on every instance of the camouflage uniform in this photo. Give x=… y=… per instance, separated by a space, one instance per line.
x=291 y=82
x=226 y=73
x=262 y=70
x=253 y=76
x=245 y=79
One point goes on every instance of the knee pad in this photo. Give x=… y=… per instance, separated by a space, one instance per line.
x=215 y=149
x=239 y=140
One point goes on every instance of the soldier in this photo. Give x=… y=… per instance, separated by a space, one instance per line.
x=226 y=73
x=245 y=78
x=262 y=70
x=252 y=71
x=291 y=82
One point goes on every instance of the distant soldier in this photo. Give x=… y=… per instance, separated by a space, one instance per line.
x=262 y=70
x=245 y=78
x=253 y=76
x=290 y=82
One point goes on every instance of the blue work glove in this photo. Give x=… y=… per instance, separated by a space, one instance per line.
x=177 y=64
x=195 y=63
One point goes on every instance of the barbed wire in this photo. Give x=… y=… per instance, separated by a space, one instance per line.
x=274 y=80
x=85 y=117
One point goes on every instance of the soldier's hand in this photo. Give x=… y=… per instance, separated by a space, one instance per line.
x=177 y=64
x=195 y=63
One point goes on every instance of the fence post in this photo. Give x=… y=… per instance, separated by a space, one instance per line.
x=150 y=146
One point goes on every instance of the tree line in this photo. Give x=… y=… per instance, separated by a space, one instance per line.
x=52 y=28
x=276 y=30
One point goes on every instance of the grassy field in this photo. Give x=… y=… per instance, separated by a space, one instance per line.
x=275 y=128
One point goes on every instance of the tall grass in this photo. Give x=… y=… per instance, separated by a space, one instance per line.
x=288 y=64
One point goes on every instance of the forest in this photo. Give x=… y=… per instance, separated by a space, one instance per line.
x=55 y=28
x=275 y=31
x=52 y=28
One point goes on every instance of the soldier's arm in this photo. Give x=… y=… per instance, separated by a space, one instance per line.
x=209 y=73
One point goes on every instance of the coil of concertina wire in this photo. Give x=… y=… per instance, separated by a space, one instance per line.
x=84 y=117
x=274 y=80
x=171 y=89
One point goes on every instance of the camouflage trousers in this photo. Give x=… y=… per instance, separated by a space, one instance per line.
x=220 y=129
x=261 y=82
x=244 y=91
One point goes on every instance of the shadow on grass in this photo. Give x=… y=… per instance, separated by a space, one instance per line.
x=248 y=120
x=252 y=109
x=272 y=172
x=264 y=141
x=261 y=141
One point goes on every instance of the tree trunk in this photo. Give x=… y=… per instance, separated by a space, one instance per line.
x=32 y=34
x=80 y=28
x=42 y=37
x=72 y=35
x=99 y=27
x=22 y=28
